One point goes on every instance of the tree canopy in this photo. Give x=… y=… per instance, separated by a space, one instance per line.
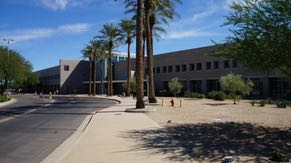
x=15 y=70
x=175 y=86
x=234 y=85
x=261 y=35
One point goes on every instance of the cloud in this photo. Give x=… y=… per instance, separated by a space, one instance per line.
x=62 y=4
x=75 y=28
x=187 y=34
x=37 y=33
x=228 y=3
x=208 y=11
x=30 y=34
x=55 y=4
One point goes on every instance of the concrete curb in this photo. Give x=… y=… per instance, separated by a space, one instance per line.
x=63 y=149
x=13 y=100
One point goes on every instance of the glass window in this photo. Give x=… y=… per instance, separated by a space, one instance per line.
x=226 y=64
x=177 y=68
x=196 y=86
x=192 y=67
x=170 y=68
x=154 y=70
x=208 y=65
x=158 y=70
x=258 y=87
x=164 y=69
x=114 y=59
x=235 y=64
x=184 y=67
x=66 y=68
x=216 y=64
x=198 y=66
x=212 y=85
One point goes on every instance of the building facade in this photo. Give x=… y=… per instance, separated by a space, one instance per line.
x=197 y=69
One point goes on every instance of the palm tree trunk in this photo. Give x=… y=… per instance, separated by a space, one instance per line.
x=101 y=79
x=128 y=68
x=143 y=45
x=110 y=72
x=94 y=76
x=139 y=57
x=149 y=48
x=108 y=86
x=90 y=77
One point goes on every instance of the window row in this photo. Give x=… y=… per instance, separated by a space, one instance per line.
x=196 y=66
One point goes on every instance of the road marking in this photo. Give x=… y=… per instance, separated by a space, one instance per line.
x=15 y=116
x=26 y=112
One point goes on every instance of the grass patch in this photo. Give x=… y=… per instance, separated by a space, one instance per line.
x=4 y=98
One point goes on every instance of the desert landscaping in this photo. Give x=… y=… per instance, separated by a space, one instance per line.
x=205 y=130
x=208 y=111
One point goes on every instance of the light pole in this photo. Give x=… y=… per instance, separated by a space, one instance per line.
x=8 y=40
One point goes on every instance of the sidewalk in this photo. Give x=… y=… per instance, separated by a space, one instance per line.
x=106 y=139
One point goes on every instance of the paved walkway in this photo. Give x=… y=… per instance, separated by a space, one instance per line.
x=106 y=139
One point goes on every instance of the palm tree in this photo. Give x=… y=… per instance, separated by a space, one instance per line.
x=156 y=11
x=127 y=33
x=109 y=36
x=139 y=56
x=87 y=54
x=94 y=47
x=101 y=55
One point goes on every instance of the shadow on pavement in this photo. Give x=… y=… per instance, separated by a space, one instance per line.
x=213 y=141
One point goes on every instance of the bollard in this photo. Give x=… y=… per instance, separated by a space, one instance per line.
x=181 y=102
x=50 y=96
x=163 y=102
x=172 y=102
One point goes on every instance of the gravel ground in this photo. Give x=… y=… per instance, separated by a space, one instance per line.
x=206 y=131
x=207 y=111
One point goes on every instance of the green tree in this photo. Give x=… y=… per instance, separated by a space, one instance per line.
x=234 y=85
x=127 y=33
x=15 y=70
x=175 y=86
x=109 y=36
x=261 y=35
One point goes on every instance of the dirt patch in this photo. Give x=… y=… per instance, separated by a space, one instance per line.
x=206 y=131
x=208 y=111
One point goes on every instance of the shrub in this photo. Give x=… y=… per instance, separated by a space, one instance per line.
x=282 y=104
x=197 y=95
x=279 y=157
x=163 y=93
x=262 y=103
x=216 y=95
x=187 y=94
x=194 y=94
x=4 y=98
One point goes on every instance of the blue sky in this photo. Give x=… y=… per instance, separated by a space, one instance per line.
x=45 y=31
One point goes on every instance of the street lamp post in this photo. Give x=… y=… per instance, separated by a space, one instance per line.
x=8 y=40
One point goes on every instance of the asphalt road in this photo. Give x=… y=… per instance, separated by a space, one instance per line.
x=24 y=103
x=30 y=137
